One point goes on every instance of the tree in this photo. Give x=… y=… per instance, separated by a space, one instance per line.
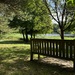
x=25 y=27
x=40 y=16
x=4 y=19
x=14 y=3
x=61 y=11
x=8 y=8
x=4 y=28
x=33 y=19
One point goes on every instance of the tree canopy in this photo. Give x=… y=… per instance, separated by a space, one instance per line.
x=62 y=12
x=34 y=17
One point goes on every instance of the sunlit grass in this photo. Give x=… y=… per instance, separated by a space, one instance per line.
x=12 y=59
x=13 y=36
x=12 y=45
x=15 y=59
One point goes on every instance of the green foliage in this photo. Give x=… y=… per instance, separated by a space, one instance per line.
x=19 y=23
x=40 y=16
x=9 y=8
x=71 y=2
x=62 y=11
x=5 y=14
x=30 y=14
x=34 y=16
x=14 y=4
x=71 y=10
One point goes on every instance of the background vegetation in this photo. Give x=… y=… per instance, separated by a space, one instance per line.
x=21 y=20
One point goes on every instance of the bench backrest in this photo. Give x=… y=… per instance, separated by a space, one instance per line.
x=56 y=48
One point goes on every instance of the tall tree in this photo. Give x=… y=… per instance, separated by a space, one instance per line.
x=60 y=11
x=24 y=26
x=40 y=15
x=35 y=18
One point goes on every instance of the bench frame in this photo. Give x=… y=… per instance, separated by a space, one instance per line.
x=63 y=49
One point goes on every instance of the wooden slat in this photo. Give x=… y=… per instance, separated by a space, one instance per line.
x=67 y=50
x=53 y=50
x=56 y=49
x=43 y=47
x=36 y=46
x=50 y=49
x=60 y=49
x=31 y=46
x=40 y=47
x=63 y=49
x=70 y=50
x=74 y=57
x=47 y=47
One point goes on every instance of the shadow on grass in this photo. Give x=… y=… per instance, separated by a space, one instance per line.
x=15 y=61
x=13 y=42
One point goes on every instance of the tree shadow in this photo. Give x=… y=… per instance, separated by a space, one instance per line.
x=15 y=61
x=24 y=67
x=14 y=42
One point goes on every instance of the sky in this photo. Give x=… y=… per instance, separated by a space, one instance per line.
x=52 y=5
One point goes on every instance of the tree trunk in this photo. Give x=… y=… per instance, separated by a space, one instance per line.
x=31 y=35
x=34 y=35
x=23 y=35
x=62 y=33
x=26 y=37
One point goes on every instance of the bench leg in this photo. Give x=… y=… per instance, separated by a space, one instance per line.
x=31 y=57
x=38 y=56
x=74 y=65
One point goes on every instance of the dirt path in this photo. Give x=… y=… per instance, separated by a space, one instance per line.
x=60 y=62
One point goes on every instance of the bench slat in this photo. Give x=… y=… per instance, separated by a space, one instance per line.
x=64 y=49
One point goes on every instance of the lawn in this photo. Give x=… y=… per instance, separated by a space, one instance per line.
x=15 y=60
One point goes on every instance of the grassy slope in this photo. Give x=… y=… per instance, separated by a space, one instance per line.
x=15 y=60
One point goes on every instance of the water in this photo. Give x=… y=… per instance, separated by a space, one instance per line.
x=67 y=35
x=52 y=35
x=71 y=35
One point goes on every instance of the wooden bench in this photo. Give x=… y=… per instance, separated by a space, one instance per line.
x=63 y=49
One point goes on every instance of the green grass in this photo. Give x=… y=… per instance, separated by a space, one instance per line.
x=15 y=60
x=17 y=36
x=13 y=36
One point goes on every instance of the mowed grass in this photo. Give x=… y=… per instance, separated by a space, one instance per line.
x=15 y=60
